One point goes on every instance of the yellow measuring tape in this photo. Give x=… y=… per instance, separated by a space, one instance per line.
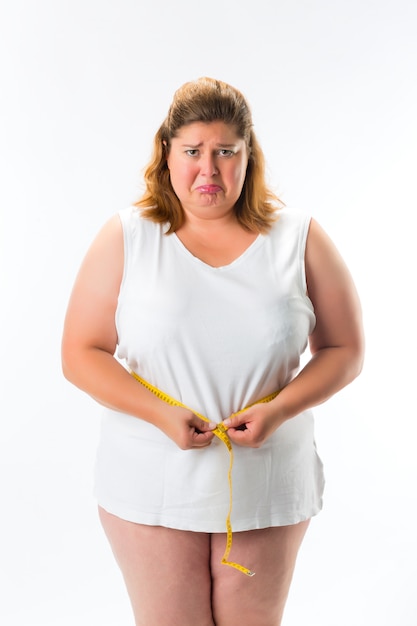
x=221 y=432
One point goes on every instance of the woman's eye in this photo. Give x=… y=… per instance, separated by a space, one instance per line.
x=223 y=152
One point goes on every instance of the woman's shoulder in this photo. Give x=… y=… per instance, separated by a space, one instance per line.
x=292 y=215
x=291 y=222
x=134 y=222
x=130 y=216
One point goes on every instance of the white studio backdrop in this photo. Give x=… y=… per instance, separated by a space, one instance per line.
x=84 y=86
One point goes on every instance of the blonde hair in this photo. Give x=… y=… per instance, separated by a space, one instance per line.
x=208 y=100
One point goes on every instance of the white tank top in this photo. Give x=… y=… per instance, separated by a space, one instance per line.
x=216 y=339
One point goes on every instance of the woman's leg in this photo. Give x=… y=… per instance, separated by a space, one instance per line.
x=166 y=572
x=260 y=600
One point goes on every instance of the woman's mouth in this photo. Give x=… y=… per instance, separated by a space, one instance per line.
x=209 y=189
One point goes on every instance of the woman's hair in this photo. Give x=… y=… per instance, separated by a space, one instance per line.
x=208 y=100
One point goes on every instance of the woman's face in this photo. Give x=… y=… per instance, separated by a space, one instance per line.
x=207 y=164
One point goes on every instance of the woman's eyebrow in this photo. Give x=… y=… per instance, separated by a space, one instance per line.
x=218 y=145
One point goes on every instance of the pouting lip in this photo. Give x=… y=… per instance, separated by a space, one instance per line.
x=209 y=189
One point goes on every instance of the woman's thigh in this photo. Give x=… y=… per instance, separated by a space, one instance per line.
x=166 y=572
x=260 y=600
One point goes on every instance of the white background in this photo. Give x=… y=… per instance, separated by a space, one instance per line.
x=84 y=86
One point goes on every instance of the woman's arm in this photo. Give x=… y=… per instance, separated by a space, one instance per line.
x=90 y=339
x=336 y=344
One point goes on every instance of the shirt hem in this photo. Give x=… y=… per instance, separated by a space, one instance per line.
x=152 y=519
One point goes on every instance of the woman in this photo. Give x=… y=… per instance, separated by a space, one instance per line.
x=190 y=310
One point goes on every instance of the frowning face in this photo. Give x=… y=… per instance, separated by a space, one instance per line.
x=207 y=164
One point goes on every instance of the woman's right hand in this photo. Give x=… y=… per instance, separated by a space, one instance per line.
x=186 y=429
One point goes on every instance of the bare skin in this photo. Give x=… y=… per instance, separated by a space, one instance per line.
x=176 y=577
x=208 y=164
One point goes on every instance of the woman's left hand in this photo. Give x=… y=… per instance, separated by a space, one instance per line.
x=252 y=427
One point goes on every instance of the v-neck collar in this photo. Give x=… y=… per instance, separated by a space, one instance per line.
x=241 y=257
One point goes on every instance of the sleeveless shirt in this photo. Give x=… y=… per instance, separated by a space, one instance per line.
x=217 y=339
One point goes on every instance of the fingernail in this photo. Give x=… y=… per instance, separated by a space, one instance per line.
x=226 y=422
x=212 y=425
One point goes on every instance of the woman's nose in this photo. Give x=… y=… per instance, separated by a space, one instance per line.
x=208 y=165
